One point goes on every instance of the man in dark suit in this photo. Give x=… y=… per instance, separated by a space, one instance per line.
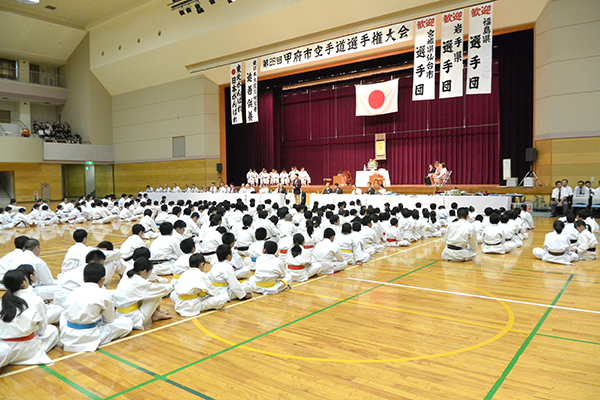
x=297 y=188
x=327 y=189
x=338 y=189
x=370 y=189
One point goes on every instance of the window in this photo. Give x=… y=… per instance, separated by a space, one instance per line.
x=8 y=69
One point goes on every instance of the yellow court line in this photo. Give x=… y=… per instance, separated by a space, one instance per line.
x=504 y=331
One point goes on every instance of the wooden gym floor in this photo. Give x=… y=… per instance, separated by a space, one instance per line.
x=404 y=326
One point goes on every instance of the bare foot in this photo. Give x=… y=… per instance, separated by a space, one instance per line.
x=247 y=297
x=158 y=316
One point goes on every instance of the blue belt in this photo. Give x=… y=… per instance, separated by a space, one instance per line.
x=83 y=326
x=254 y=259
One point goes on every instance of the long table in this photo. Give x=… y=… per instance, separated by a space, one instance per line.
x=480 y=203
x=409 y=201
x=218 y=197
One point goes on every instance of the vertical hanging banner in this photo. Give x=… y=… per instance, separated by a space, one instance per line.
x=424 y=64
x=235 y=79
x=451 y=55
x=252 y=91
x=479 y=67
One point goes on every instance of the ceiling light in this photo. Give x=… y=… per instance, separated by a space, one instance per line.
x=230 y=1
x=199 y=8
x=211 y=2
x=188 y=10
x=29 y=1
x=181 y=12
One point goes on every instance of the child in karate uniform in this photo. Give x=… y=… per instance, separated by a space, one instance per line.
x=270 y=276
x=222 y=276
x=139 y=299
x=25 y=336
x=299 y=261
x=89 y=319
x=188 y=247
x=586 y=243
x=194 y=292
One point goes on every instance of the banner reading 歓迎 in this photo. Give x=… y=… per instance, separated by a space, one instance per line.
x=451 y=55
x=479 y=65
x=424 y=64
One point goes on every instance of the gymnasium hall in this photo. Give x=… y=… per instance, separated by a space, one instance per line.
x=440 y=148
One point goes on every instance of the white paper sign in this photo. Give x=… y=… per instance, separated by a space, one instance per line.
x=356 y=42
x=252 y=91
x=451 y=55
x=235 y=79
x=479 y=67
x=424 y=70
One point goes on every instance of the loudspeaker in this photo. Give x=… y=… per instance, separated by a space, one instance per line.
x=220 y=167
x=530 y=154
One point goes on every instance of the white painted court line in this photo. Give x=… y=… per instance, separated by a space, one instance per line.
x=477 y=296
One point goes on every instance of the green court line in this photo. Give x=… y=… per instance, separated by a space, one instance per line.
x=519 y=352
x=154 y=374
x=70 y=383
x=569 y=339
x=261 y=335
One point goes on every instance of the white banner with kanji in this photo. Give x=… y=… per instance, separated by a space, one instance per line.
x=252 y=91
x=356 y=42
x=377 y=98
x=451 y=55
x=424 y=64
x=479 y=66
x=235 y=80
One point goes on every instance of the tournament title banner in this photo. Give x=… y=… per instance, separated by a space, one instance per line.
x=361 y=41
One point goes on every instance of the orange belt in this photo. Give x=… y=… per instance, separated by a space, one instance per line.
x=296 y=267
x=391 y=240
x=20 y=339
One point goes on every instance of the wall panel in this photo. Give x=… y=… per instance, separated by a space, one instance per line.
x=28 y=177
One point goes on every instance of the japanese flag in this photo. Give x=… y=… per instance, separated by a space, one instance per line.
x=377 y=99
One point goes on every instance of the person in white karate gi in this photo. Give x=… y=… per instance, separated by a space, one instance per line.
x=461 y=239
x=492 y=237
x=256 y=248
x=586 y=243
x=165 y=250
x=300 y=262
x=182 y=264
x=8 y=261
x=270 y=276
x=393 y=236
x=222 y=276
x=328 y=254
x=241 y=269
x=194 y=291
x=53 y=311
x=89 y=319
x=350 y=246
x=22 y=220
x=46 y=285
x=139 y=299
x=557 y=247
x=76 y=254
x=25 y=336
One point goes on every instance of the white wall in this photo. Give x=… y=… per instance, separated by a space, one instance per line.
x=145 y=121
x=43 y=113
x=567 y=70
x=88 y=106
x=16 y=149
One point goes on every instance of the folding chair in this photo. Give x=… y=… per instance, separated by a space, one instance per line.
x=580 y=201
x=446 y=179
x=595 y=203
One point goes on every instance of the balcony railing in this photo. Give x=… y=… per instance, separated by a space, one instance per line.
x=35 y=77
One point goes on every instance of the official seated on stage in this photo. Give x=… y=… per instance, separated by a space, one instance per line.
x=440 y=174
x=429 y=175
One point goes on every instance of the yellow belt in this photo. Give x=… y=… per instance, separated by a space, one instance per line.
x=346 y=251
x=129 y=309
x=220 y=284
x=270 y=284
x=266 y=285
x=192 y=296
x=176 y=276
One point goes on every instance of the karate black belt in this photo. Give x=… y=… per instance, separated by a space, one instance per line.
x=155 y=262
x=557 y=254
x=452 y=247
x=242 y=248
x=495 y=244
x=210 y=253
x=591 y=249
x=573 y=241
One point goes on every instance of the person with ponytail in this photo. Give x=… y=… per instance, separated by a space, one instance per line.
x=25 y=336
x=244 y=235
x=53 y=311
x=138 y=298
x=299 y=261
x=557 y=247
x=586 y=243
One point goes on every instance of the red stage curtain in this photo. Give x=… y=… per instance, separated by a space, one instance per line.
x=321 y=132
